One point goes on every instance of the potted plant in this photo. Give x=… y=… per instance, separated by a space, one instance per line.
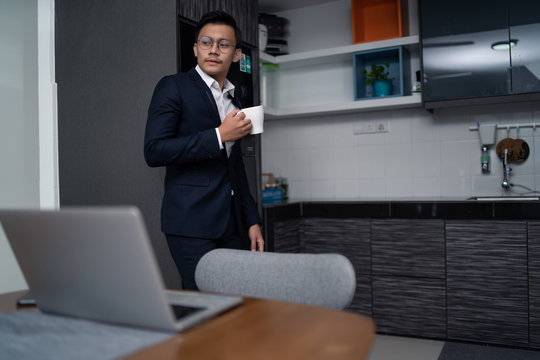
x=378 y=76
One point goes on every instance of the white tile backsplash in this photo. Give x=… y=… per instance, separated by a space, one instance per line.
x=427 y=187
x=300 y=189
x=321 y=189
x=347 y=189
x=455 y=157
x=372 y=161
x=487 y=186
x=424 y=128
x=523 y=184
x=323 y=164
x=397 y=188
x=372 y=188
x=399 y=160
x=456 y=187
x=346 y=164
x=454 y=127
x=423 y=155
x=426 y=159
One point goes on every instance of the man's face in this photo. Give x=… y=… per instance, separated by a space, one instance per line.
x=216 y=61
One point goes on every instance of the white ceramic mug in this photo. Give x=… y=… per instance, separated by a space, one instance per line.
x=256 y=115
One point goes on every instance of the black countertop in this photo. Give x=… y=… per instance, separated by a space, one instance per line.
x=408 y=209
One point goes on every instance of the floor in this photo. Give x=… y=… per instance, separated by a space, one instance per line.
x=387 y=347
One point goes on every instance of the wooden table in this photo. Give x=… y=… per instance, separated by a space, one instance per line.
x=262 y=329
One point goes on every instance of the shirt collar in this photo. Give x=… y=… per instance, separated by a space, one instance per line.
x=228 y=87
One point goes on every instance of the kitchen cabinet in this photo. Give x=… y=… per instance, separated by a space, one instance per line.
x=320 y=80
x=286 y=235
x=534 y=283
x=524 y=18
x=464 y=55
x=458 y=270
x=487 y=286
x=348 y=237
x=408 y=270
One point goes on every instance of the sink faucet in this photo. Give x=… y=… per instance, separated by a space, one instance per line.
x=505 y=183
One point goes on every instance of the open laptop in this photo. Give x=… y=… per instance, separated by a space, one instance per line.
x=98 y=264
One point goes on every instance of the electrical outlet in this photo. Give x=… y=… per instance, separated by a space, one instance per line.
x=371 y=127
x=382 y=126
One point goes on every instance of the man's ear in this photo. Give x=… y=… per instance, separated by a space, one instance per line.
x=237 y=55
x=195 y=49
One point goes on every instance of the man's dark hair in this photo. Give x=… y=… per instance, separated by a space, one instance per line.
x=221 y=18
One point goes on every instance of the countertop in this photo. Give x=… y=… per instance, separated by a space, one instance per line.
x=429 y=208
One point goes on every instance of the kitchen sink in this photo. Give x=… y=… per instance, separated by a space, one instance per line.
x=504 y=198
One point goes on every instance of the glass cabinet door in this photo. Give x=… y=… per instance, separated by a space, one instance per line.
x=458 y=55
x=524 y=17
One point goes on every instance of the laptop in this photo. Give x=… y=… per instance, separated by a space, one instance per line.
x=97 y=263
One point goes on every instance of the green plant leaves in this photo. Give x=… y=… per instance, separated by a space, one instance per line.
x=378 y=72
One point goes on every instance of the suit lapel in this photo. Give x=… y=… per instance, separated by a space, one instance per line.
x=206 y=94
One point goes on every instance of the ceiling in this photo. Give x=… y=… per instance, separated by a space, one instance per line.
x=273 y=6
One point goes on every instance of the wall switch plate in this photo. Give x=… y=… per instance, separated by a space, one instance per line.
x=371 y=127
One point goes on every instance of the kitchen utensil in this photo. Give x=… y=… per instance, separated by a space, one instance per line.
x=518 y=150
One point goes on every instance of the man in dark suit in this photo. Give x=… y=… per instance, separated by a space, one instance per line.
x=193 y=129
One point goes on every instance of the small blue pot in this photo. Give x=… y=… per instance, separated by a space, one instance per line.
x=382 y=87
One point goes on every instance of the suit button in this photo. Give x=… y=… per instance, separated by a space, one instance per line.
x=232 y=192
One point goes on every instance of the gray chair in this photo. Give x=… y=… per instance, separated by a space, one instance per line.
x=326 y=280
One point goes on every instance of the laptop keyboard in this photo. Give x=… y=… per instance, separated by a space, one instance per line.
x=181 y=311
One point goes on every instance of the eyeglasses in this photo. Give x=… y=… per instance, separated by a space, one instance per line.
x=224 y=45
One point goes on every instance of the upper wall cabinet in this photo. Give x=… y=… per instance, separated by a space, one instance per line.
x=479 y=51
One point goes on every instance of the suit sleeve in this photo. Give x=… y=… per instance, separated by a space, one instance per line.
x=162 y=144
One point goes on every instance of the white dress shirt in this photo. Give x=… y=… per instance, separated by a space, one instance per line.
x=223 y=100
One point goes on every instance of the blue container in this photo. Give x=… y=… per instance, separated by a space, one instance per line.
x=400 y=71
x=272 y=196
x=382 y=87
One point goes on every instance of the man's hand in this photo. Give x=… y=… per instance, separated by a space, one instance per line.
x=255 y=235
x=235 y=126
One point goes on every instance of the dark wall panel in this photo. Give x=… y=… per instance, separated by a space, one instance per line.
x=109 y=56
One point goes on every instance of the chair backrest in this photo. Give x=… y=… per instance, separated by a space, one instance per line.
x=326 y=280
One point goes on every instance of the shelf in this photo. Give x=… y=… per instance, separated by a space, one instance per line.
x=397 y=59
x=331 y=54
x=411 y=101
x=309 y=63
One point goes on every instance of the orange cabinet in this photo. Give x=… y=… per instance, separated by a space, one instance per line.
x=374 y=20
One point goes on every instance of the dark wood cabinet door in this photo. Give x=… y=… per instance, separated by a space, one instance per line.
x=408 y=248
x=286 y=236
x=409 y=277
x=534 y=283
x=349 y=237
x=410 y=306
x=487 y=290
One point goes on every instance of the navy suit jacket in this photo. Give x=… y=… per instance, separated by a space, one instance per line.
x=180 y=135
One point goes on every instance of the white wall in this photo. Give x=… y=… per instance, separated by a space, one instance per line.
x=27 y=113
x=423 y=155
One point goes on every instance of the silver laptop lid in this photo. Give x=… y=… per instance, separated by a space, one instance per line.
x=94 y=263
